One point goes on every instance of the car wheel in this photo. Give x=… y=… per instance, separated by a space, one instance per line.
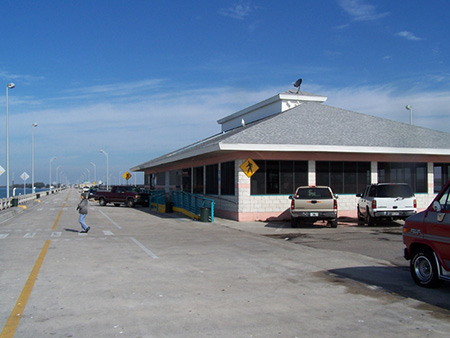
x=102 y=202
x=360 y=217
x=130 y=203
x=370 y=220
x=333 y=223
x=424 y=268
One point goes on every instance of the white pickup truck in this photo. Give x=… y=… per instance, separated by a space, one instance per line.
x=310 y=204
x=388 y=201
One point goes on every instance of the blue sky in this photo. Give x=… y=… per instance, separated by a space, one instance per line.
x=142 y=78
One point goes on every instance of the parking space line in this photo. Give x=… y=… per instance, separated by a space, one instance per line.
x=147 y=251
x=109 y=219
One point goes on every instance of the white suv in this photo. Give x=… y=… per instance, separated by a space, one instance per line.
x=386 y=201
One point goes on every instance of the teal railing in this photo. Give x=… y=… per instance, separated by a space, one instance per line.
x=195 y=204
x=157 y=199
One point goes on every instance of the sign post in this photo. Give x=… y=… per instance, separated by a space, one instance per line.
x=24 y=176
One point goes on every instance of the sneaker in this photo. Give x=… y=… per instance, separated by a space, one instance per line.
x=87 y=230
x=83 y=231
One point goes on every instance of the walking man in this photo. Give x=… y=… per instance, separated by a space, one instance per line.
x=83 y=210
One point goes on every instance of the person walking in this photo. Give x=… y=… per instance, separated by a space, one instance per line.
x=83 y=210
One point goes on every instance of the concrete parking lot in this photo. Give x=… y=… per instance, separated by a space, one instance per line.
x=142 y=274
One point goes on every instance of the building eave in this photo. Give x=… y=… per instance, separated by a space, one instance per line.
x=333 y=149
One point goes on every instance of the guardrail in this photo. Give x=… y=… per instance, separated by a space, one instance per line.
x=14 y=201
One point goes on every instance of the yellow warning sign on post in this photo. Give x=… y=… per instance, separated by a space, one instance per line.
x=249 y=167
x=127 y=176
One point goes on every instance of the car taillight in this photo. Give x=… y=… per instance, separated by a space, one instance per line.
x=415 y=203
x=374 y=204
x=292 y=204
x=335 y=205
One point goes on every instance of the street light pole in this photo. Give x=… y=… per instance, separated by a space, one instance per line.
x=408 y=107
x=50 y=175
x=34 y=125
x=57 y=168
x=95 y=172
x=107 y=169
x=8 y=86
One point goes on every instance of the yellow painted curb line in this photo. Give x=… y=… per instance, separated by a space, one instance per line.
x=22 y=206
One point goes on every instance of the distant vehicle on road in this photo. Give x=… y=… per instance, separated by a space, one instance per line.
x=427 y=239
x=118 y=195
x=311 y=204
x=388 y=201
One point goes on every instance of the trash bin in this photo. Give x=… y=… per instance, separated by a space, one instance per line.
x=169 y=207
x=15 y=202
x=205 y=214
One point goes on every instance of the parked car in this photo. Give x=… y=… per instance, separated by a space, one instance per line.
x=313 y=203
x=118 y=195
x=388 y=201
x=427 y=239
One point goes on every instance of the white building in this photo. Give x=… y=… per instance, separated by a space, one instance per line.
x=295 y=139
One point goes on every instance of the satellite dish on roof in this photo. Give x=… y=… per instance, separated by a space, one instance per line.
x=297 y=84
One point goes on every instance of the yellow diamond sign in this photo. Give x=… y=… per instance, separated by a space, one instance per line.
x=127 y=176
x=249 y=167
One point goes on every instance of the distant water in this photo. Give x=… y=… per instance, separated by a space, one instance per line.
x=19 y=191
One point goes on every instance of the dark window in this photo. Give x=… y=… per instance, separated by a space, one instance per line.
x=414 y=174
x=278 y=177
x=227 y=182
x=343 y=177
x=313 y=193
x=212 y=179
x=187 y=179
x=198 y=180
x=258 y=179
x=441 y=175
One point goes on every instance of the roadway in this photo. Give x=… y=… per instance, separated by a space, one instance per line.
x=142 y=274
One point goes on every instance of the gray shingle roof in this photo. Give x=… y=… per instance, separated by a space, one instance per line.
x=314 y=124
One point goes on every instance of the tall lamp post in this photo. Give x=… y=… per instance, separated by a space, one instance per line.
x=57 y=181
x=408 y=107
x=34 y=125
x=50 y=175
x=107 y=169
x=95 y=172
x=8 y=86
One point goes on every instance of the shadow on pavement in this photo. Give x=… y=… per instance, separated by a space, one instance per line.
x=393 y=280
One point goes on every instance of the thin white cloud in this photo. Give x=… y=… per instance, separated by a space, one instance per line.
x=408 y=36
x=361 y=10
x=24 y=78
x=237 y=11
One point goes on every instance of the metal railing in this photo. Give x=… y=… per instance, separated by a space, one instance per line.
x=195 y=204
x=14 y=201
x=157 y=199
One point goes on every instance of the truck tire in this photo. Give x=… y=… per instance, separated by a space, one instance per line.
x=370 y=220
x=102 y=201
x=423 y=268
x=333 y=223
x=130 y=203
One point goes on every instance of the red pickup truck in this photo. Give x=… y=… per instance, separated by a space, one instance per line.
x=129 y=195
x=427 y=239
